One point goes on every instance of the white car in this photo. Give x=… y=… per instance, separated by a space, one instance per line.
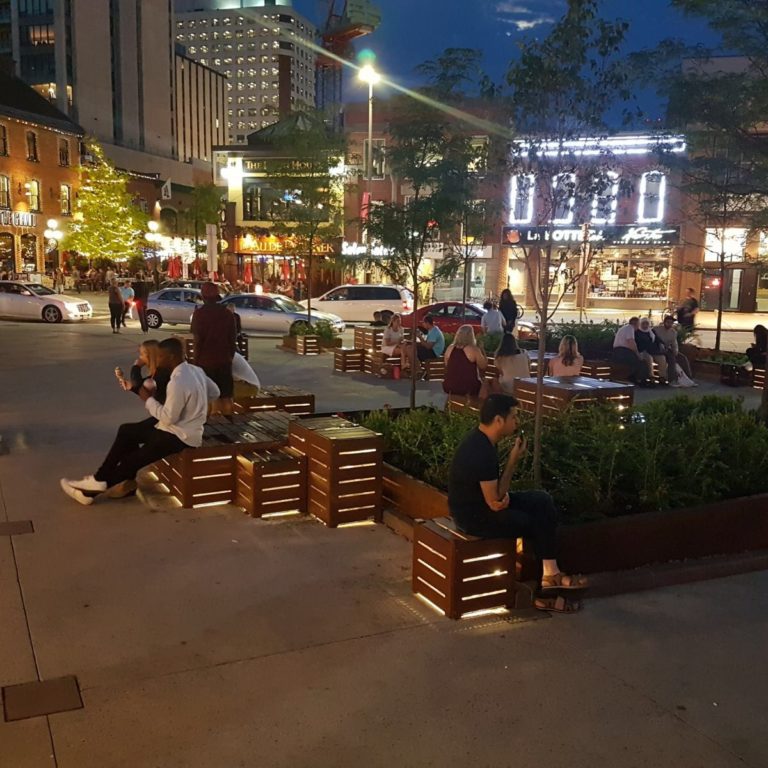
x=359 y=302
x=32 y=301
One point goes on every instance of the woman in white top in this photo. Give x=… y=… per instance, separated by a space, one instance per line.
x=511 y=363
x=568 y=361
x=392 y=341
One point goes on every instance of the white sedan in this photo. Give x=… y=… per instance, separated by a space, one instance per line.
x=273 y=313
x=32 y=301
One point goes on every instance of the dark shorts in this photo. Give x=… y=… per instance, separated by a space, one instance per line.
x=425 y=354
x=221 y=376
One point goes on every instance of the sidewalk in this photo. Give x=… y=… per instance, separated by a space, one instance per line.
x=206 y=639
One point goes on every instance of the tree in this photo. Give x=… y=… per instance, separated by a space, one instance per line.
x=106 y=223
x=204 y=208
x=425 y=153
x=564 y=89
x=307 y=186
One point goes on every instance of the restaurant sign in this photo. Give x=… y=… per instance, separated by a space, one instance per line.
x=18 y=219
x=624 y=235
x=274 y=245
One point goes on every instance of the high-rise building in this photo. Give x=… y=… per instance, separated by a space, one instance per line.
x=258 y=45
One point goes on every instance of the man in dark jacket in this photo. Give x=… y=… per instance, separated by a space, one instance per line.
x=215 y=332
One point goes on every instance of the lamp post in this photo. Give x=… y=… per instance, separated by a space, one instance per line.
x=369 y=75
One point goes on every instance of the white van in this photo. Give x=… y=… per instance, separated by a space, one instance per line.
x=359 y=302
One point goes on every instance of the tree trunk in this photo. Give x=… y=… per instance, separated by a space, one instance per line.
x=543 y=283
x=309 y=281
x=414 y=357
x=465 y=287
x=720 y=297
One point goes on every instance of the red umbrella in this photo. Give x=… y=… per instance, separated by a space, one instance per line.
x=300 y=271
x=248 y=274
x=285 y=268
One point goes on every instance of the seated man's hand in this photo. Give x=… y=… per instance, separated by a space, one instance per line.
x=144 y=394
x=503 y=503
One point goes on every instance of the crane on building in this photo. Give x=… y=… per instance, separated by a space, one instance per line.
x=346 y=21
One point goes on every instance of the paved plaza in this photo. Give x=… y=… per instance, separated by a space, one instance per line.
x=207 y=639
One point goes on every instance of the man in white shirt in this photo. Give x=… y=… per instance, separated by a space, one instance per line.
x=173 y=426
x=625 y=352
x=493 y=320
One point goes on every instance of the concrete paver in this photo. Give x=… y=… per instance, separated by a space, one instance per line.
x=209 y=639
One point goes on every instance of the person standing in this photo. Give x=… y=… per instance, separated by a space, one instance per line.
x=76 y=279
x=126 y=291
x=687 y=311
x=140 y=296
x=493 y=321
x=115 y=302
x=215 y=332
x=508 y=308
x=173 y=426
x=481 y=504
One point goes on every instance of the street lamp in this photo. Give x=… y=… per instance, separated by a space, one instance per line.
x=153 y=238
x=369 y=75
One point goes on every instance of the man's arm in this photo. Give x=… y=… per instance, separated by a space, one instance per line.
x=170 y=413
x=496 y=492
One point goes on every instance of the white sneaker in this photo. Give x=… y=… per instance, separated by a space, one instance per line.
x=89 y=483
x=75 y=493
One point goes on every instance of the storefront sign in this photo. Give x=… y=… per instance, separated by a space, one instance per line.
x=625 y=235
x=18 y=219
x=258 y=167
x=273 y=245
x=355 y=250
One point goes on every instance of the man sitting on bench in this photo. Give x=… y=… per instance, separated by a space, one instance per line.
x=172 y=427
x=481 y=504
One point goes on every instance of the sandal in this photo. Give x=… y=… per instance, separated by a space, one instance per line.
x=558 y=604
x=563 y=581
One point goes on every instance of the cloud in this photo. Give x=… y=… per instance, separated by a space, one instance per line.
x=525 y=16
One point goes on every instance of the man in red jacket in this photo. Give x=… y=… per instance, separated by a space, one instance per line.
x=215 y=333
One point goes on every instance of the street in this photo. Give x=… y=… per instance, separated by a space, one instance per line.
x=206 y=638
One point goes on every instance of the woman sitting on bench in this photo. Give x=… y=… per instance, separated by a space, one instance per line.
x=464 y=364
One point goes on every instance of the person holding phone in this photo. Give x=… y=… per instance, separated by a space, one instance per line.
x=481 y=504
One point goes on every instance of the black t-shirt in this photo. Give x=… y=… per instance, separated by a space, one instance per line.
x=475 y=461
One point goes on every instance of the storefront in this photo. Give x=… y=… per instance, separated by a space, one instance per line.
x=20 y=245
x=621 y=267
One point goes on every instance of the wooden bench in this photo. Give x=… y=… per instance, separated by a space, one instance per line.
x=380 y=364
x=189 y=347
x=596 y=369
x=344 y=467
x=276 y=398
x=368 y=339
x=205 y=476
x=464 y=404
x=434 y=369
x=758 y=378
x=272 y=482
x=461 y=575
x=561 y=392
x=346 y=359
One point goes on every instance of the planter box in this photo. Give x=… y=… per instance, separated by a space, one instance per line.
x=622 y=543
x=346 y=359
x=735 y=375
x=272 y=482
x=276 y=398
x=309 y=344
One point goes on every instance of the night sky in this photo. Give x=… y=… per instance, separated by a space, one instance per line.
x=413 y=31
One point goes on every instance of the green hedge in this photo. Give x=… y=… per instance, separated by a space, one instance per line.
x=598 y=463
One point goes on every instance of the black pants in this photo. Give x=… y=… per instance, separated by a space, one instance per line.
x=136 y=445
x=126 y=310
x=141 y=311
x=115 y=315
x=530 y=515
x=638 y=370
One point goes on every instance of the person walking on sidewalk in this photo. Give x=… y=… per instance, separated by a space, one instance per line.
x=171 y=427
x=126 y=291
x=140 y=296
x=115 y=301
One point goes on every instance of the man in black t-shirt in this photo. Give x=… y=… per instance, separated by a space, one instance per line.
x=481 y=504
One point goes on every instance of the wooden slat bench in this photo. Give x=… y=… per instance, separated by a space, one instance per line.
x=434 y=369
x=368 y=339
x=758 y=378
x=277 y=398
x=461 y=575
x=189 y=347
x=560 y=392
x=347 y=359
x=381 y=365
x=344 y=466
x=464 y=404
x=272 y=482
x=206 y=475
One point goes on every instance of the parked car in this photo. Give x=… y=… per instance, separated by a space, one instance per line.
x=33 y=301
x=450 y=315
x=273 y=313
x=359 y=302
x=224 y=288
x=173 y=306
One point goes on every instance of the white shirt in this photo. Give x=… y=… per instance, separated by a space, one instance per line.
x=624 y=336
x=186 y=404
x=493 y=321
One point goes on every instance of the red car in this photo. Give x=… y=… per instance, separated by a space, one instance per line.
x=450 y=315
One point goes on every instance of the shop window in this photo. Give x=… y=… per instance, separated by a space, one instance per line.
x=33 y=195
x=3 y=139
x=653 y=190
x=32 y=146
x=7 y=260
x=378 y=158
x=521 y=199
x=5 y=192
x=730 y=242
x=29 y=253
x=563 y=198
x=65 y=197
x=624 y=273
x=606 y=201
x=63 y=152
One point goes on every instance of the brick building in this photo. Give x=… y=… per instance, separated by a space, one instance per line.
x=39 y=160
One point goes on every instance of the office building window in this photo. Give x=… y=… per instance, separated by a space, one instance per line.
x=65 y=196
x=521 y=198
x=563 y=197
x=33 y=195
x=3 y=140
x=653 y=190
x=378 y=158
x=5 y=192
x=32 y=146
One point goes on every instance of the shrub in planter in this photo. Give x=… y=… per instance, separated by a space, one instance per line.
x=595 y=339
